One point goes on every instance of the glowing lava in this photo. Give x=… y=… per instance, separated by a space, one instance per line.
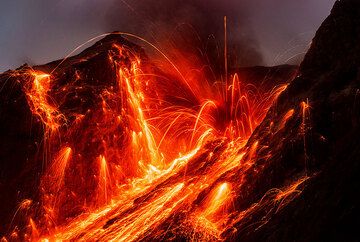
x=147 y=149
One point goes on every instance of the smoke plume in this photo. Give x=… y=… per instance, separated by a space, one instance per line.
x=191 y=24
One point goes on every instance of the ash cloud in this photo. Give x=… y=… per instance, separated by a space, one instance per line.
x=195 y=23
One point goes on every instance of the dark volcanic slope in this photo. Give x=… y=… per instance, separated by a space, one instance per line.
x=267 y=77
x=329 y=78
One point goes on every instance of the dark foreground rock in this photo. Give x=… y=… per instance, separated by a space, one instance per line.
x=329 y=79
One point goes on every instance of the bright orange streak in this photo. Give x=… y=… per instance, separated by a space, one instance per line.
x=54 y=182
x=38 y=99
x=235 y=84
x=34 y=230
x=304 y=108
x=286 y=117
x=252 y=153
x=217 y=200
x=135 y=101
x=284 y=196
x=103 y=181
x=293 y=188
x=58 y=167
x=199 y=116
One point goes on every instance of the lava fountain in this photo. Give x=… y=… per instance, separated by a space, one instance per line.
x=124 y=154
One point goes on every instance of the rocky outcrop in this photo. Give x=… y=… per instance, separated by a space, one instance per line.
x=321 y=143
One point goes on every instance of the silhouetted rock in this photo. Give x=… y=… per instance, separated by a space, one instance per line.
x=328 y=152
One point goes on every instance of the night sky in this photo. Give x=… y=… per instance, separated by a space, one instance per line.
x=269 y=32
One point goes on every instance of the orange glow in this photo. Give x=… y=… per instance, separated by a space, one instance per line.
x=104 y=179
x=304 y=109
x=293 y=188
x=34 y=230
x=146 y=149
x=286 y=195
x=286 y=117
x=217 y=200
x=37 y=92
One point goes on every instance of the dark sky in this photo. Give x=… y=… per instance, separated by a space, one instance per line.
x=268 y=32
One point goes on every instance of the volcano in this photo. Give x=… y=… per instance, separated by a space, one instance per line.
x=111 y=144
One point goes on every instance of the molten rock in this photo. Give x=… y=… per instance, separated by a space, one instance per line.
x=108 y=145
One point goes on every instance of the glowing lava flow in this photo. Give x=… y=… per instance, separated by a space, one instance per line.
x=137 y=157
x=37 y=92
